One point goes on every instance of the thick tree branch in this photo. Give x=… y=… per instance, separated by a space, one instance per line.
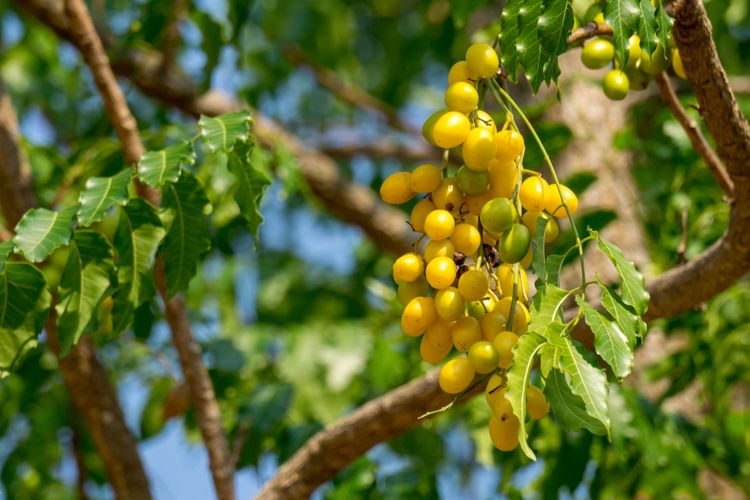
x=86 y=379
x=695 y=135
x=83 y=35
x=346 y=91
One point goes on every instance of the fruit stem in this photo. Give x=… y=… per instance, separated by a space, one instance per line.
x=497 y=90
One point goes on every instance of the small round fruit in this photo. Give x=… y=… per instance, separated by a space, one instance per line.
x=451 y=129
x=514 y=244
x=439 y=224
x=411 y=289
x=553 y=201
x=456 y=375
x=484 y=120
x=526 y=261
x=440 y=248
x=429 y=125
x=498 y=215
x=449 y=304
x=616 y=85
x=679 y=69
x=441 y=272
x=426 y=178
x=597 y=53
x=637 y=78
x=470 y=181
x=473 y=285
x=536 y=403
x=504 y=342
x=551 y=230
x=655 y=63
x=520 y=316
x=483 y=357
x=465 y=333
x=504 y=432
x=492 y=324
x=396 y=188
x=504 y=273
x=448 y=196
x=436 y=342
x=494 y=390
x=508 y=145
x=503 y=178
x=532 y=193
x=479 y=148
x=419 y=213
x=474 y=202
x=466 y=239
x=461 y=97
x=500 y=405
x=408 y=267
x=459 y=72
x=418 y=315
x=482 y=60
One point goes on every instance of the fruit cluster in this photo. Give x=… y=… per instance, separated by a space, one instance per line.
x=465 y=284
x=641 y=65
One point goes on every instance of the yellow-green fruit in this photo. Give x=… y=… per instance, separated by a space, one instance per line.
x=504 y=343
x=409 y=290
x=456 y=375
x=396 y=188
x=616 y=85
x=536 y=403
x=425 y=179
x=465 y=333
x=597 y=53
x=473 y=285
x=677 y=64
x=482 y=60
x=483 y=357
x=418 y=315
x=429 y=125
x=655 y=63
x=449 y=304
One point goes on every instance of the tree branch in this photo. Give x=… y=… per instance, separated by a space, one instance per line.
x=85 y=377
x=171 y=35
x=346 y=91
x=84 y=37
x=589 y=30
x=697 y=139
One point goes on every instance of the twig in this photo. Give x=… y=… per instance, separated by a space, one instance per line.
x=699 y=142
x=589 y=30
x=171 y=35
x=382 y=149
x=5 y=235
x=682 y=247
x=83 y=35
x=239 y=442
x=346 y=91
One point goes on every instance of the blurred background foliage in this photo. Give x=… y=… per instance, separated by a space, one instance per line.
x=304 y=328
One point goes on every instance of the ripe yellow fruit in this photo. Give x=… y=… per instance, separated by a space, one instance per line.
x=482 y=60
x=418 y=315
x=449 y=304
x=493 y=323
x=466 y=239
x=553 y=201
x=448 y=196
x=494 y=390
x=436 y=342
x=396 y=188
x=679 y=69
x=504 y=342
x=479 y=149
x=451 y=129
x=459 y=72
x=536 y=403
x=411 y=289
x=456 y=375
x=439 y=224
x=529 y=220
x=441 y=272
x=532 y=192
x=426 y=178
x=419 y=213
x=520 y=317
x=465 y=333
x=504 y=273
x=509 y=144
x=408 y=267
x=461 y=97
x=473 y=285
x=504 y=432
x=473 y=203
x=484 y=120
x=503 y=178
x=440 y=248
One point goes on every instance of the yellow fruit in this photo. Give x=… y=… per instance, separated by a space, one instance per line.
x=408 y=267
x=418 y=315
x=679 y=69
x=474 y=202
x=504 y=432
x=425 y=179
x=411 y=289
x=479 y=149
x=440 y=248
x=553 y=203
x=451 y=129
x=436 y=342
x=465 y=333
x=503 y=178
x=461 y=97
x=419 y=213
x=529 y=220
x=449 y=304
x=459 y=72
x=536 y=403
x=504 y=273
x=504 y=342
x=493 y=323
x=396 y=188
x=456 y=375
x=441 y=272
x=484 y=120
x=439 y=224
x=494 y=390
x=448 y=196
x=466 y=239
x=520 y=317
x=473 y=285
x=532 y=193
x=509 y=144
x=482 y=60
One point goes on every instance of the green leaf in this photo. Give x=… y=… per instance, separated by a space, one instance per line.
x=187 y=237
x=623 y=16
x=568 y=408
x=519 y=375
x=631 y=324
x=85 y=280
x=537 y=256
x=156 y=168
x=664 y=24
x=531 y=53
x=25 y=304
x=6 y=249
x=609 y=340
x=509 y=30
x=586 y=381
x=251 y=184
x=555 y=25
x=40 y=232
x=546 y=306
x=553 y=268
x=100 y=194
x=631 y=281
x=221 y=132
x=137 y=238
x=647 y=26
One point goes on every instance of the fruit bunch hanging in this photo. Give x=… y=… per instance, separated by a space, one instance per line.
x=465 y=286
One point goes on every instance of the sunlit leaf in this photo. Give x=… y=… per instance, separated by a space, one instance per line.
x=609 y=340
x=631 y=281
x=40 y=232
x=251 y=184
x=222 y=132
x=623 y=16
x=156 y=168
x=100 y=194
x=569 y=409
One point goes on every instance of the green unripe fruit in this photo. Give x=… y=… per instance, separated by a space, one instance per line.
x=470 y=181
x=597 y=54
x=655 y=63
x=498 y=215
x=514 y=244
x=616 y=85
